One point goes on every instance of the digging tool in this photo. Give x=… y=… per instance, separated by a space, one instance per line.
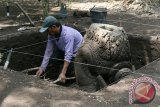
x=59 y=80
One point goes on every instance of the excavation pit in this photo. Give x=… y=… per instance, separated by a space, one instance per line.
x=29 y=46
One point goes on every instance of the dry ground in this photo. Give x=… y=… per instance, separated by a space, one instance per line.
x=20 y=90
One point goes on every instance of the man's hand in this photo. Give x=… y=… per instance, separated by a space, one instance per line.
x=62 y=77
x=39 y=72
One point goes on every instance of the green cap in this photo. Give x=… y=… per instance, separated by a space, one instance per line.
x=48 y=21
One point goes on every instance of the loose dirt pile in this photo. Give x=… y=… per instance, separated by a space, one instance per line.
x=138 y=7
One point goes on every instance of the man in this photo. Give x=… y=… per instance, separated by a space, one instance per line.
x=62 y=40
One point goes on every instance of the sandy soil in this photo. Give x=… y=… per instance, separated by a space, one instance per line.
x=20 y=90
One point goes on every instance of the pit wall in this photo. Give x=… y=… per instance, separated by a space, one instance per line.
x=143 y=49
x=20 y=60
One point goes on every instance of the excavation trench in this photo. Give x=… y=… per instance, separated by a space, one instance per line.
x=29 y=46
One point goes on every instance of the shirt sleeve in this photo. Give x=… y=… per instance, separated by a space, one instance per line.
x=69 y=50
x=47 y=55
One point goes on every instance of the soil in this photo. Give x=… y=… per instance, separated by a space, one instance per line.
x=20 y=90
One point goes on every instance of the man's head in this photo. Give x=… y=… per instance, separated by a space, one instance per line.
x=52 y=25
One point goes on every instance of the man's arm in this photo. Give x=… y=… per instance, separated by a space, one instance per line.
x=62 y=75
x=67 y=58
x=47 y=55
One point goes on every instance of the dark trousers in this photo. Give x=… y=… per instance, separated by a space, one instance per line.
x=56 y=64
